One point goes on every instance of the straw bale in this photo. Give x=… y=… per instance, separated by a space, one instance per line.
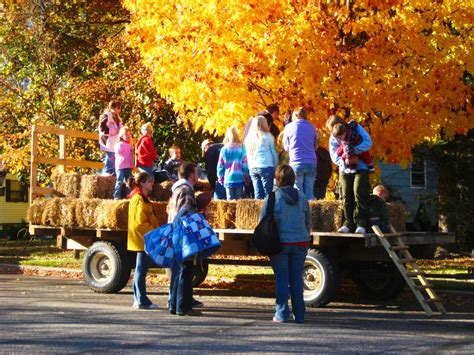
x=86 y=212
x=326 y=216
x=397 y=215
x=162 y=191
x=112 y=214
x=97 y=186
x=247 y=213
x=224 y=216
x=213 y=214
x=68 y=212
x=35 y=211
x=202 y=185
x=159 y=209
x=67 y=185
x=52 y=212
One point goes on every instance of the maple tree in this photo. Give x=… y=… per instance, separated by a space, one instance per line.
x=397 y=66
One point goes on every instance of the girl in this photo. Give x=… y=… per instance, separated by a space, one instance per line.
x=262 y=156
x=141 y=220
x=232 y=169
x=109 y=126
x=293 y=221
x=123 y=160
x=145 y=150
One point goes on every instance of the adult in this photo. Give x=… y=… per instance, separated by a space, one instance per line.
x=109 y=127
x=323 y=173
x=355 y=187
x=293 y=220
x=145 y=150
x=274 y=111
x=141 y=220
x=182 y=272
x=232 y=168
x=210 y=153
x=262 y=157
x=300 y=141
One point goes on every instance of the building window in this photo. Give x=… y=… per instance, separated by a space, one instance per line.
x=418 y=173
x=15 y=191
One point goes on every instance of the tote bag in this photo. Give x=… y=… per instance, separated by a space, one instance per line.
x=266 y=238
x=197 y=237
x=159 y=245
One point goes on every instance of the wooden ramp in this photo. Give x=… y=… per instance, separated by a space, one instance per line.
x=415 y=278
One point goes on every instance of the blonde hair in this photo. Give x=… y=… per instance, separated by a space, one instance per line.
x=258 y=129
x=381 y=191
x=146 y=128
x=332 y=121
x=122 y=132
x=174 y=148
x=231 y=136
x=300 y=114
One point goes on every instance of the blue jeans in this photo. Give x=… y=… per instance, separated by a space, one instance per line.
x=305 y=175
x=234 y=193
x=219 y=192
x=146 y=169
x=262 y=180
x=122 y=176
x=139 y=280
x=288 y=266
x=181 y=286
x=109 y=163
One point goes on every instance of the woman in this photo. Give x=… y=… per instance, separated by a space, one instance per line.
x=293 y=220
x=141 y=220
x=262 y=157
x=109 y=127
x=232 y=168
x=355 y=186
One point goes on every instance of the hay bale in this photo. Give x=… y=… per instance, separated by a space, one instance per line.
x=223 y=214
x=162 y=191
x=326 y=216
x=35 y=211
x=86 y=212
x=67 y=207
x=112 y=214
x=97 y=186
x=397 y=215
x=51 y=215
x=159 y=209
x=67 y=185
x=202 y=185
x=247 y=213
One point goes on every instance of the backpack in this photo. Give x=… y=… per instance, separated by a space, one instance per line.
x=266 y=238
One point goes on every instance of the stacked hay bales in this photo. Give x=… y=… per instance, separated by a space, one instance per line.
x=397 y=215
x=97 y=186
x=86 y=212
x=35 y=211
x=247 y=213
x=67 y=185
x=223 y=214
x=159 y=209
x=326 y=216
x=162 y=191
x=112 y=214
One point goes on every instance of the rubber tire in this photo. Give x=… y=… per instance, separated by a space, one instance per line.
x=200 y=273
x=114 y=259
x=317 y=263
x=379 y=281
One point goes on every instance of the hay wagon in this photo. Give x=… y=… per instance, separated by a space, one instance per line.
x=79 y=211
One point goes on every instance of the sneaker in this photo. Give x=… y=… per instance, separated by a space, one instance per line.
x=360 y=230
x=276 y=320
x=343 y=229
x=191 y=313
x=145 y=306
x=172 y=311
x=371 y=169
x=196 y=304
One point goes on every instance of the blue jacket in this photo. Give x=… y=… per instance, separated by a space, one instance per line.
x=292 y=214
x=362 y=147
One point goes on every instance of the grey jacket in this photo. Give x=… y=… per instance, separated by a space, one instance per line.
x=182 y=197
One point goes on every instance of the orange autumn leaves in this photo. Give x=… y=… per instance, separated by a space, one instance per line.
x=396 y=66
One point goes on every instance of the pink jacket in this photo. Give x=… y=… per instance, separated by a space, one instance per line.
x=124 y=158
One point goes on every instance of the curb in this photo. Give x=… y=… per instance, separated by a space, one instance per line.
x=37 y=268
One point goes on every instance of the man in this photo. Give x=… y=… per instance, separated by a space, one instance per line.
x=210 y=152
x=323 y=173
x=274 y=111
x=181 y=300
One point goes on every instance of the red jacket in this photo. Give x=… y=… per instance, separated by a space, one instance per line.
x=145 y=151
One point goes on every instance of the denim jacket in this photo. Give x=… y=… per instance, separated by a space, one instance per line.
x=291 y=213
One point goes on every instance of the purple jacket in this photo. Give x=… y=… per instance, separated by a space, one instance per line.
x=300 y=141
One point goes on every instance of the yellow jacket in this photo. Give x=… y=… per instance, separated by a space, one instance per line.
x=141 y=220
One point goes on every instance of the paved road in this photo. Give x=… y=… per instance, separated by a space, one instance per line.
x=40 y=314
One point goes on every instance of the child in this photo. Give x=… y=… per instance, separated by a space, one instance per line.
x=232 y=168
x=174 y=162
x=145 y=150
x=123 y=160
x=141 y=220
x=350 y=138
x=109 y=126
x=378 y=213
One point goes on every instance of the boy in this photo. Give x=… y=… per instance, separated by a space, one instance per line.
x=349 y=137
x=174 y=162
x=378 y=213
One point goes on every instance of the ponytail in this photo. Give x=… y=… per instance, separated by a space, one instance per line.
x=138 y=179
